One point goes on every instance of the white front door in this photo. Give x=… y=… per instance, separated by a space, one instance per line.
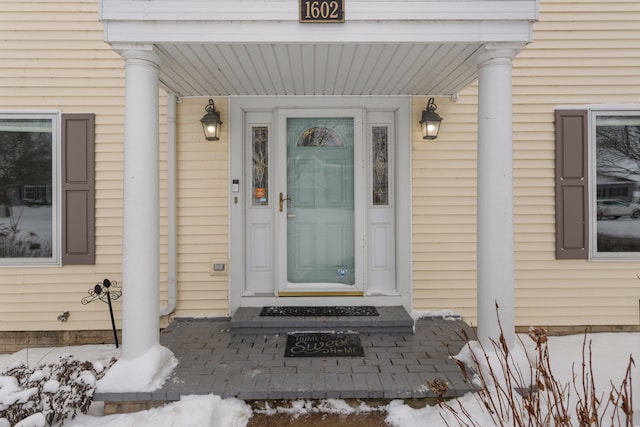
x=316 y=203
x=321 y=214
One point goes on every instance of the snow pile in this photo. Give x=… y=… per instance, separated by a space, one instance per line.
x=492 y=365
x=300 y=408
x=35 y=420
x=401 y=415
x=145 y=373
x=190 y=411
x=443 y=314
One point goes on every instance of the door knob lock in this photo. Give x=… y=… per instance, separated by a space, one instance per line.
x=283 y=199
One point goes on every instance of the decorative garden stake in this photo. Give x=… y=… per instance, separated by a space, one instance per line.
x=105 y=292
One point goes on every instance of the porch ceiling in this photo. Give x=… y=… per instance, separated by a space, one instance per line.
x=257 y=47
x=223 y=69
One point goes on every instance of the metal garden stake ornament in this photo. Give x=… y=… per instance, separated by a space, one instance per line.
x=105 y=292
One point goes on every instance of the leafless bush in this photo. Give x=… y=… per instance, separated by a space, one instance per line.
x=514 y=397
x=58 y=390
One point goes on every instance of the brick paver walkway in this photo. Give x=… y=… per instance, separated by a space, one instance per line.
x=253 y=366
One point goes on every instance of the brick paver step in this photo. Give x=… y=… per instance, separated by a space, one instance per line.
x=247 y=320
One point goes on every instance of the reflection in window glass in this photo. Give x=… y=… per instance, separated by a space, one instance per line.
x=26 y=183
x=380 y=146
x=320 y=136
x=618 y=183
x=319 y=132
x=260 y=143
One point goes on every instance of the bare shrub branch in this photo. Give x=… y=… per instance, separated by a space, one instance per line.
x=537 y=398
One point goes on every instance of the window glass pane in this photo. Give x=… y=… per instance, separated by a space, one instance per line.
x=260 y=144
x=26 y=196
x=380 y=148
x=617 y=183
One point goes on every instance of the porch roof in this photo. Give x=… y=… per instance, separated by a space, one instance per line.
x=249 y=47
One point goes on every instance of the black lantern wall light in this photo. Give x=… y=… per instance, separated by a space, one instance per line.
x=430 y=123
x=211 y=122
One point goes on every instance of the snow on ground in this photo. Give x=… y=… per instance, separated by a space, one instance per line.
x=444 y=314
x=35 y=219
x=190 y=411
x=621 y=227
x=32 y=357
x=610 y=355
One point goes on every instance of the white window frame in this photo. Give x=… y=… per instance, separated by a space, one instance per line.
x=56 y=173
x=594 y=112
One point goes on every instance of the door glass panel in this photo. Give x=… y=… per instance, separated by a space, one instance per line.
x=320 y=212
x=380 y=169
x=260 y=160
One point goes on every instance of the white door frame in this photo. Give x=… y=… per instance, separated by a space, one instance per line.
x=239 y=108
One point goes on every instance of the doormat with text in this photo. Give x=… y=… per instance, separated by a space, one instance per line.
x=319 y=344
x=319 y=311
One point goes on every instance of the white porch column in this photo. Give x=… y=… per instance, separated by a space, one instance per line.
x=495 y=197
x=141 y=223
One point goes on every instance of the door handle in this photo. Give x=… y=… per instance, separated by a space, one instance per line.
x=282 y=199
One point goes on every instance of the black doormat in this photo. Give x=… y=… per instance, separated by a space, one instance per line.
x=319 y=311
x=318 y=344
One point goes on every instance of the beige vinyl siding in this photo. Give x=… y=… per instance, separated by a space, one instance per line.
x=444 y=209
x=203 y=212
x=584 y=52
x=52 y=57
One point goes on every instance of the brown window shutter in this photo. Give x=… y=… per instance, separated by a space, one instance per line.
x=572 y=213
x=78 y=207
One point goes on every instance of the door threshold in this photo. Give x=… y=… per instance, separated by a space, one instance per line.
x=322 y=294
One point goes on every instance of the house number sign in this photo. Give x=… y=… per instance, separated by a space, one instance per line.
x=321 y=11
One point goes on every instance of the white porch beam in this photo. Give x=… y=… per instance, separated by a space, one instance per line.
x=356 y=10
x=410 y=31
x=141 y=222
x=495 y=195
x=259 y=21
